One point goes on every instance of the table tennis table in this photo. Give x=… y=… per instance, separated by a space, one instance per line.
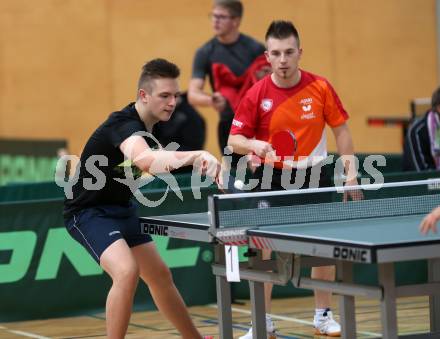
x=305 y=230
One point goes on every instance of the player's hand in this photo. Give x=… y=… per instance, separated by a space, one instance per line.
x=221 y=180
x=253 y=162
x=429 y=223
x=208 y=165
x=353 y=194
x=263 y=71
x=218 y=102
x=264 y=150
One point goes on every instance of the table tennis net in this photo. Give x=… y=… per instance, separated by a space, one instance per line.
x=326 y=204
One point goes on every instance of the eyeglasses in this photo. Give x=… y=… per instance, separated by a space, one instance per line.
x=220 y=17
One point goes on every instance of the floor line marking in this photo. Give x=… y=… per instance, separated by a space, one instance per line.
x=291 y=319
x=24 y=334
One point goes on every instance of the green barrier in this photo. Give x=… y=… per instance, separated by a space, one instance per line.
x=40 y=264
x=27 y=168
x=30 y=191
x=393 y=162
x=45 y=273
x=20 y=168
x=384 y=163
x=49 y=190
x=27 y=160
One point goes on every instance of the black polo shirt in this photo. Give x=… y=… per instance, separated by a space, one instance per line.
x=105 y=142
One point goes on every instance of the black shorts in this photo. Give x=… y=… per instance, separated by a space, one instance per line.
x=96 y=228
x=312 y=177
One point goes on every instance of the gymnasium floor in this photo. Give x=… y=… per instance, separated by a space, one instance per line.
x=293 y=320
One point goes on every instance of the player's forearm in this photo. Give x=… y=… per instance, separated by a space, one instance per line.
x=240 y=144
x=162 y=161
x=197 y=97
x=344 y=144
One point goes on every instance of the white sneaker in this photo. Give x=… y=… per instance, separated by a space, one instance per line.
x=270 y=328
x=326 y=325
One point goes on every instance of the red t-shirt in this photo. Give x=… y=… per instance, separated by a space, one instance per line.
x=303 y=109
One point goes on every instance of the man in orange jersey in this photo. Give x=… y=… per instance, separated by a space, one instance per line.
x=303 y=104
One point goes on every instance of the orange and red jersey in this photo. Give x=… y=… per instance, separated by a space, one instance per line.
x=304 y=109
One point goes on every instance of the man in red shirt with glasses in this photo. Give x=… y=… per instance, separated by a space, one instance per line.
x=230 y=48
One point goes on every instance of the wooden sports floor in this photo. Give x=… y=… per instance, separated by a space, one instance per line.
x=292 y=316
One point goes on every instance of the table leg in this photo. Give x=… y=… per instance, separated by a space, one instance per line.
x=223 y=289
x=258 y=310
x=224 y=307
x=388 y=303
x=434 y=300
x=346 y=302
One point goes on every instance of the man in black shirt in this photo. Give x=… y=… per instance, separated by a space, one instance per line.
x=100 y=215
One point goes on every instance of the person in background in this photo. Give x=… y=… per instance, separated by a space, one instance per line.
x=230 y=48
x=186 y=127
x=421 y=151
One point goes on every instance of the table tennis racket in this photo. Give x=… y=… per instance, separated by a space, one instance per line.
x=284 y=144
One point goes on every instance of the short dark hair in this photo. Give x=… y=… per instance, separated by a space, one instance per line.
x=157 y=68
x=435 y=99
x=280 y=29
x=234 y=7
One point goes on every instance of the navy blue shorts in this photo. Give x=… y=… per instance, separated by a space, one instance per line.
x=96 y=228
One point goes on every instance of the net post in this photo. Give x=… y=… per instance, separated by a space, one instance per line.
x=213 y=210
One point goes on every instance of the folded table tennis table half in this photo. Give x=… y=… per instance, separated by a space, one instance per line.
x=312 y=231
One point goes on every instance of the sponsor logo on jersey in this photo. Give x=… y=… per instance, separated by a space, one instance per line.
x=237 y=123
x=306 y=101
x=266 y=104
x=308 y=116
x=307 y=108
x=306 y=105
